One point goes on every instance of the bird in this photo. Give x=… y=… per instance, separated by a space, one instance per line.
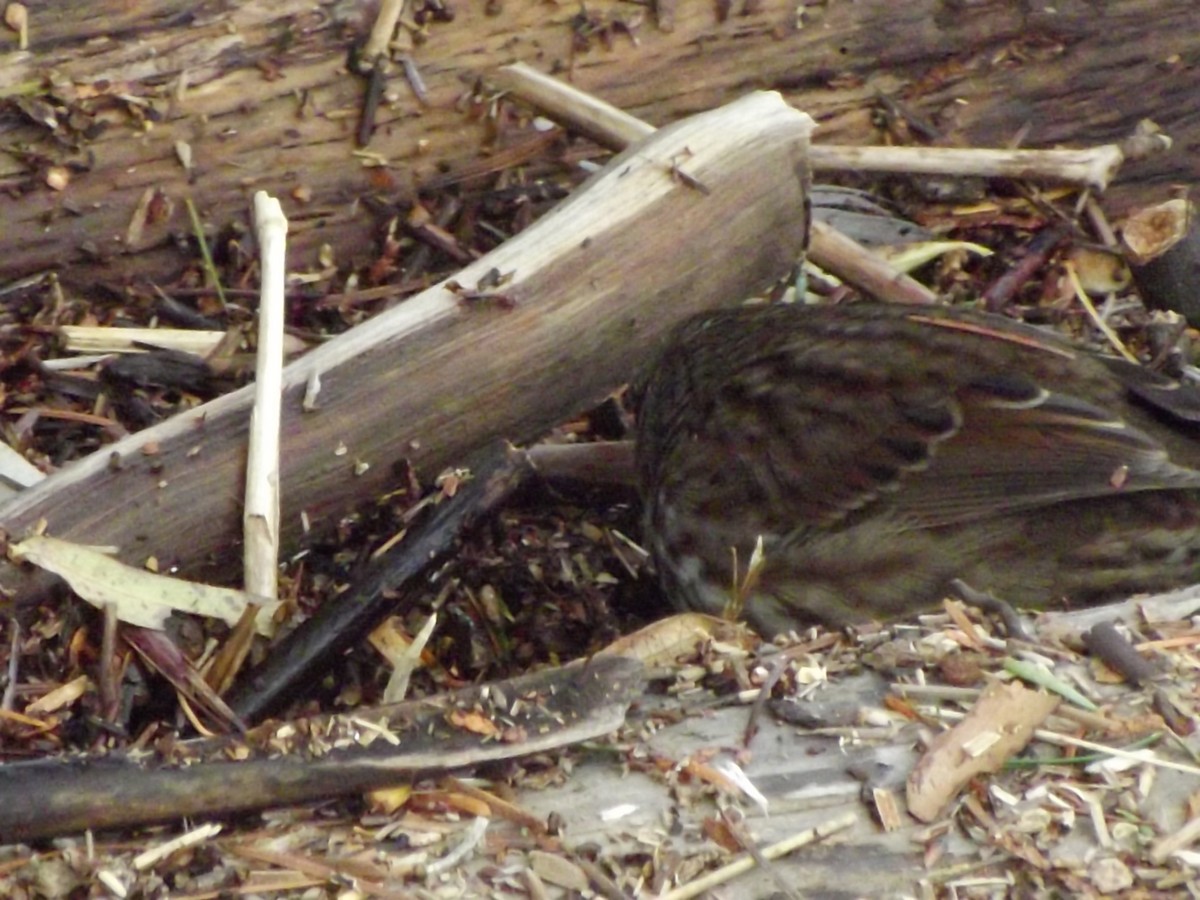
x=876 y=453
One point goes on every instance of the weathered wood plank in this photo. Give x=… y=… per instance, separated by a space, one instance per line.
x=586 y=291
x=808 y=780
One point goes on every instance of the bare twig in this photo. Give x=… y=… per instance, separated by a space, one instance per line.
x=745 y=864
x=850 y=261
x=1092 y=166
x=382 y=29
x=261 y=516
x=100 y=339
x=602 y=122
x=1000 y=292
x=828 y=248
x=260 y=512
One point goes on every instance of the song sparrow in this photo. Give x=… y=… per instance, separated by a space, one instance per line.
x=882 y=451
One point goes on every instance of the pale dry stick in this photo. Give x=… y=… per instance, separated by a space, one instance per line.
x=1099 y=221
x=602 y=122
x=745 y=864
x=964 y=695
x=260 y=518
x=154 y=855
x=1187 y=639
x=16 y=17
x=12 y=670
x=261 y=513
x=382 y=30
x=1162 y=849
x=16 y=472
x=1064 y=740
x=850 y=261
x=407 y=661
x=1092 y=166
x=107 y=339
x=611 y=127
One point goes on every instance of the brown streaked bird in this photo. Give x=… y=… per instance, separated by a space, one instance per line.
x=882 y=451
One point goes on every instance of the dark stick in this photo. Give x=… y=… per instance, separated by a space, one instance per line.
x=311 y=648
x=376 y=81
x=1107 y=644
x=1001 y=291
x=295 y=762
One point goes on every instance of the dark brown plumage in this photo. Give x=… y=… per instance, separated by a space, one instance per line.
x=882 y=451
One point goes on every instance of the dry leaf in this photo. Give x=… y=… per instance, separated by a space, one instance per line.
x=63 y=695
x=139 y=597
x=474 y=722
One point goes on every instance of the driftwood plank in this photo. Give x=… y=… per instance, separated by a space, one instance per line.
x=808 y=780
x=587 y=290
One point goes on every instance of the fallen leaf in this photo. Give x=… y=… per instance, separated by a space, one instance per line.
x=139 y=597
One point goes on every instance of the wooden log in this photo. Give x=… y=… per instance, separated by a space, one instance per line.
x=325 y=756
x=260 y=95
x=583 y=294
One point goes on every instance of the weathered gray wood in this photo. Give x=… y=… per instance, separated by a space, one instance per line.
x=589 y=289
x=807 y=779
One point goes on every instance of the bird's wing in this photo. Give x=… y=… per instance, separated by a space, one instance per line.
x=1022 y=449
x=829 y=448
